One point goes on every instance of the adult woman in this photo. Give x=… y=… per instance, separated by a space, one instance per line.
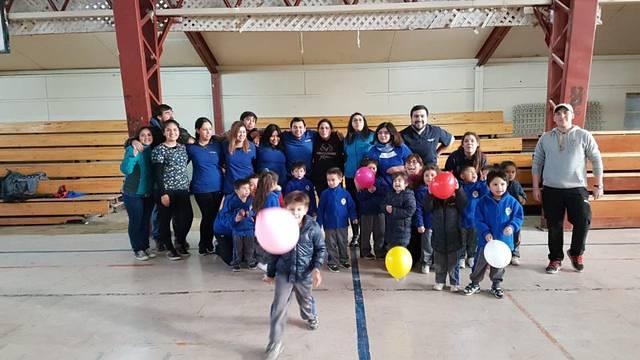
x=468 y=153
x=170 y=167
x=356 y=146
x=240 y=154
x=206 y=183
x=271 y=153
x=136 y=192
x=328 y=152
x=390 y=152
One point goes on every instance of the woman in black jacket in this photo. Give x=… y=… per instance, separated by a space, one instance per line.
x=328 y=152
x=445 y=238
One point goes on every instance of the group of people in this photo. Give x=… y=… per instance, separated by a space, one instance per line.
x=245 y=170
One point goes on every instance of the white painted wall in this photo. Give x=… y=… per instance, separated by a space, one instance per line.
x=392 y=88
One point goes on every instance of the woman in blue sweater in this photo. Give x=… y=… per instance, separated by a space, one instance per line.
x=357 y=144
x=271 y=153
x=136 y=191
x=206 y=183
x=240 y=155
x=390 y=152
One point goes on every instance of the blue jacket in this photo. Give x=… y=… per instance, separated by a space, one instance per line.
x=492 y=216
x=224 y=219
x=207 y=167
x=306 y=186
x=370 y=202
x=299 y=149
x=515 y=189
x=421 y=217
x=272 y=159
x=335 y=209
x=246 y=226
x=272 y=200
x=389 y=159
x=138 y=176
x=309 y=254
x=474 y=192
x=426 y=143
x=355 y=152
x=239 y=165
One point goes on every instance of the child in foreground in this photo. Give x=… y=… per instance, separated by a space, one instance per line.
x=498 y=216
x=296 y=271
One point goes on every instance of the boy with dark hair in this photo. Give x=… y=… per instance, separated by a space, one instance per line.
x=498 y=216
x=299 y=182
x=243 y=225
x=335 y=209
x=514 y=189
x=296 y=271
x=474 y=189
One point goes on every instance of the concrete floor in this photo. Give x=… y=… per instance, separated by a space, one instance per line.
x=84 y=296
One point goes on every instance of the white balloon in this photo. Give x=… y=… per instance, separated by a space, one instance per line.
x=497 y=254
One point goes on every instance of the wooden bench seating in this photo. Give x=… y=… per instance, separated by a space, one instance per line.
x=84 y=156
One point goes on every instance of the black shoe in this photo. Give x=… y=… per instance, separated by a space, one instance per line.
x=235 y=268
x=312 y=324
x=472 y=289
x=346 y=265
x=160 y=247
x=497 y=292
x=253 y=266
x=183 y=252
x=370 y=256
x=576 y=261
x=173 y=256
x=334 y=268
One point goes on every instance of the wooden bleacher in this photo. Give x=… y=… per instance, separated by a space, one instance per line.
x=84 y=156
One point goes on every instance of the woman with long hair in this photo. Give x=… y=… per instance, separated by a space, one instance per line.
x=240 y=155
x=390 y=152
x=271 y=153
x=328 y=152
x=468 y=153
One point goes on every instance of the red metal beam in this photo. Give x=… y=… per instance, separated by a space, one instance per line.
x=491 y=44
x=571 y=42
x=209 y=60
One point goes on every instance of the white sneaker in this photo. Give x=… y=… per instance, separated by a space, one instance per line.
x=438 y=287
x=274 y=351
x=515 y=261
x=141 y=255
x=461 y=263
x=262 y=267
x=150 y=253
x=454 y=288
x=424 y=269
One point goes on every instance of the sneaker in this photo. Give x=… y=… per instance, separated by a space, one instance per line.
x=253 y=266
x=235 y=268
x=515 y=261
x=472 y=289
x=312 y=324
x=262 y=267
x=438 y=287
x=274 y=350
x=183 y=251
x=370 y=257
x=354 y=241
x=424 y=269
x=576 y=262
x=173 y=256
x=150 y=253
x=346 y=265
x=497 y=292
x=141 y=255
x=454 y=288
x=553 y=267
x=334 y=268
x=160 y=247
x=461 y=263
x=470 y=262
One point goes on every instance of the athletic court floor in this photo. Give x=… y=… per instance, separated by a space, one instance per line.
x=84 y=296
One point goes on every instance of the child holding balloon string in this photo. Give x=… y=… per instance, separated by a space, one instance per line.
x=422 y=218
x=296 y=271
x=498 y=217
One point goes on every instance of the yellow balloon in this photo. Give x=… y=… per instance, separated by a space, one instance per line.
x=398 y=262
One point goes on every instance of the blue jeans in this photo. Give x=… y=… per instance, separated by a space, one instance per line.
x=155 y=227
x=139 y=210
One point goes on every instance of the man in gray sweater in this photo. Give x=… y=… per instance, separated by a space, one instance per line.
x=560 y=160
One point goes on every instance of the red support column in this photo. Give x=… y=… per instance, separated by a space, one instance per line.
x=571 y=41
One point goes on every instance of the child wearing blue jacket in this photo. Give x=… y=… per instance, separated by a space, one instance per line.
x=422 y=218
x=300 y=183
x=474 y=190
x=335 y=209
x=371 y=216
x=243 y=225
x=498 y=216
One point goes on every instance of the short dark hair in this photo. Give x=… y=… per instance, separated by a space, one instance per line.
x=296 y=197
x=396 y=139
x=430 y=166
x=505 y=164
x=240 y=182
x=298 y=165
x=366 y=161
x=497 y=173
x=490 y=167
x=247 y=114
x=334 y=171
x=253 y=176
x=171 y=121
x=418 y=107
x=295 y=120
x=402 y=174
x=160 y=109
x=463 y=168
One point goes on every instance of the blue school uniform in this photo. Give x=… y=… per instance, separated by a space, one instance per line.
x=274 y=160
x=335 y=209
x=207 y=167
x=492 y=216
x=306 y=186
x=299 y=149
x=474 y=192
x=421 y=217
x=239 y=165
x=388 y=156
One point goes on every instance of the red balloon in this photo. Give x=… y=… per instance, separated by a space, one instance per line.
x=365 y=178
x=443 y=185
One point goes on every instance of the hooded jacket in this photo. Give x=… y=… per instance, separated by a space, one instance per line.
x=445 y=221
x=493 y=216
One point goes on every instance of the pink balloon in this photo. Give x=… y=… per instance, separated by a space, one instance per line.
x=365 y=178
x=277 y=230
x=443 y=185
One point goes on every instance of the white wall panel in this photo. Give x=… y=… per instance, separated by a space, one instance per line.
x=263 y=83
x=86 y=109
x=23 y=110
x=352 y=83
x=431 y=78
x=22 y=88
x=65 y=86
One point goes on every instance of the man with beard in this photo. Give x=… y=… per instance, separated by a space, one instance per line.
x=426 y=140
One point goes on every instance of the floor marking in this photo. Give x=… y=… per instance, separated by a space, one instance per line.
x=361 y=318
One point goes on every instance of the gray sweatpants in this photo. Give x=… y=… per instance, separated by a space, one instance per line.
x=372 y=224
x=336 y=240
x=281 y=300
x=480 y=267
x=243 y=248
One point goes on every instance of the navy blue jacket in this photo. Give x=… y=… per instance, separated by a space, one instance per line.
x=426 y=143
x=421 y=217
x=445 y=221
x=370 y=202
x=246 y=226
x=306 y=186
x=309 y=254
x=515 y=189
x=398 y=224
x=474 y=192
x=492 y=216
x=299 y=149
x=273 y=159
x=224 y=219
x=335 y=209
x=457 y=160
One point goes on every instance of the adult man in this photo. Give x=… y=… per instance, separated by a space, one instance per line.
x=161 y=114
x=560 y=158
x=426 y=140
x=298 y=143
x=249 y=119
